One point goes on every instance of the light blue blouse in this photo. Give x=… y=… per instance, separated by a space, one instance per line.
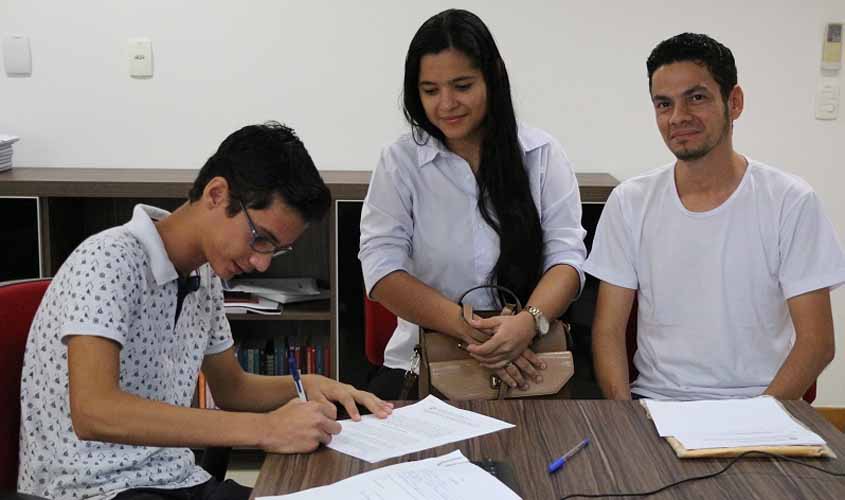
x=421 y=216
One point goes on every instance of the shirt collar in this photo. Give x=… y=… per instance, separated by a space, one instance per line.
x=142 y=227
x=529 y=139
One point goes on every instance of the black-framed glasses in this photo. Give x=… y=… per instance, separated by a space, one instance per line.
x=261 y=243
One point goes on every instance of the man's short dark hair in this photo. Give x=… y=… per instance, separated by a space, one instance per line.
x=263 y=161
x=700 y=49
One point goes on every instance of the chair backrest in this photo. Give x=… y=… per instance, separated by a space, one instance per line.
x=379 y=324
x=631 y=344
x=18 y=303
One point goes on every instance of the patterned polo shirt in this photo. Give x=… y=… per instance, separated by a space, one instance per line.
x=121 y=285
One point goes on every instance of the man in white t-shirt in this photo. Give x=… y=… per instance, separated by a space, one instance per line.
x=135 y=311
x=731 y=261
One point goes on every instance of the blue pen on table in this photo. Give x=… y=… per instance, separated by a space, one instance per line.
x=297 y=380
x=560 y=462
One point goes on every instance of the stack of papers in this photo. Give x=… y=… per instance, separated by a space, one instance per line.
x=730 y=423
x=6 y=142
x=449 y=477
x=281 y=290
x=420 y=426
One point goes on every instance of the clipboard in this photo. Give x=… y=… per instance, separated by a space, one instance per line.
x=802 y=451
x=503 y=471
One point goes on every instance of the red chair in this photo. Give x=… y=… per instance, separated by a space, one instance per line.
x=631 y=344
x=379 y=324
x=18 y=303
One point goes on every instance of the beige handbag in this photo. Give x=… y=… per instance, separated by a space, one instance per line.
x=447 y=368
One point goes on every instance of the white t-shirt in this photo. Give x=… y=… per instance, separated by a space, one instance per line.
x=421 y=216
x=118 y=284
x=712 y=319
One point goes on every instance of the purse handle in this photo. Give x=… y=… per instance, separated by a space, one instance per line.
x=499 y=288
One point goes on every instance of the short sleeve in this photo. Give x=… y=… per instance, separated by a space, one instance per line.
x=612 y=257
x=103 y=280
x=220 y=331
x=811 y=257
x=387 y=224
x=560 y=214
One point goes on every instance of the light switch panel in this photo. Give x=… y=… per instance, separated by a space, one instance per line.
x=140 y=57
x=17 y=58
x=827 y=99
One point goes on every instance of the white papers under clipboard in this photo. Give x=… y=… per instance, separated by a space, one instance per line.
x=731 y=426
x=448 y=477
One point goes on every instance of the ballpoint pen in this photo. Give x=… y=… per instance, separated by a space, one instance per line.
x=560 y=462
x=297 y=380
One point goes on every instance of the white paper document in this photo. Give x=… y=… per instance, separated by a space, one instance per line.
x=450 y=477
x=8 y=140
x=730 y=423
x=416 y=427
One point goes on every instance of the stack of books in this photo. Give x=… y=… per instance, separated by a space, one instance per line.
x=267 y=295
x=281 y=290
x=6 y=142
x=270 y=357
x=243 y=302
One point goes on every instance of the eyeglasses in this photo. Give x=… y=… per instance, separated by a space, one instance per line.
x=261 y=243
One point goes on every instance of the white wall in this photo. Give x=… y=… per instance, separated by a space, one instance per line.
x=333 y=71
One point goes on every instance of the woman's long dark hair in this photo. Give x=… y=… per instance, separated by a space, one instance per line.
x=504 y=194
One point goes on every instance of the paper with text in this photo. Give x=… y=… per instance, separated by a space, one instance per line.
x=449 y=477
x=730 y=423
x=416 y=427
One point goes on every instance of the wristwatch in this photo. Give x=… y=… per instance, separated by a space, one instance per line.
x=540 y=321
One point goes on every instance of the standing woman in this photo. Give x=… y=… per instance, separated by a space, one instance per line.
x=468 y=197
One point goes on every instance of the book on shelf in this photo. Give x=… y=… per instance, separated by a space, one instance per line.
x=242 y=303
x=281 y=290
x=270 y=357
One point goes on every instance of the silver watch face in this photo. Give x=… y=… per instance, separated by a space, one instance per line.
x=542 y=324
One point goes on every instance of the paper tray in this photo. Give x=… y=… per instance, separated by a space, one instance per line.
x=789 y=451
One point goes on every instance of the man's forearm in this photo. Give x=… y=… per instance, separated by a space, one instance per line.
x=128 y=419
x=610 y=361
x=256 y=393
x=813 y=348
x=800 y=369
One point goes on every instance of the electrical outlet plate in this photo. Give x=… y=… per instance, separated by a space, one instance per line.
x=140 y=57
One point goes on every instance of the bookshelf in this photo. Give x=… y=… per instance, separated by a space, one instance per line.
x=74 y=203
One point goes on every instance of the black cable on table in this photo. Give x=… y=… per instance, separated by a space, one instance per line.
x=705 y=476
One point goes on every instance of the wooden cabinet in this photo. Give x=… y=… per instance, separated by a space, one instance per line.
x=74 y=203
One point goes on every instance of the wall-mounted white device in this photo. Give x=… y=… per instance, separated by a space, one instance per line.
x=832 y=47
x=17 y=58
x=140 y=57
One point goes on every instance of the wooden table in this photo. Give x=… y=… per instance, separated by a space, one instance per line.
x=625 y=455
